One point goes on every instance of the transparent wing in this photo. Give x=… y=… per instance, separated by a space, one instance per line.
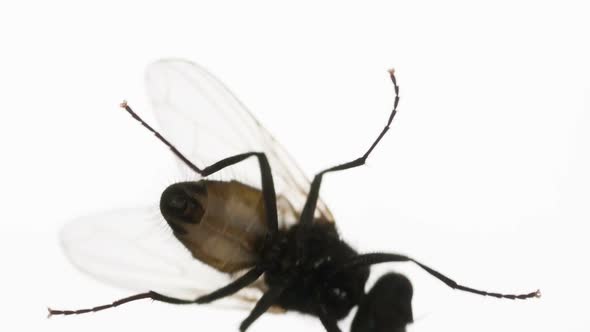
x=134 y=249
x=207 y=123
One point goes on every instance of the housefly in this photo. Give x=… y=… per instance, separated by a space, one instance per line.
x=269 y=247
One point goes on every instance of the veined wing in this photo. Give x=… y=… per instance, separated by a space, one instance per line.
x=207 y=123
x=135 y=249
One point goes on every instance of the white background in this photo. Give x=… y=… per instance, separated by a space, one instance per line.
x=483 y=176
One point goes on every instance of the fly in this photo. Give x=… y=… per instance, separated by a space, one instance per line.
x=274 y=247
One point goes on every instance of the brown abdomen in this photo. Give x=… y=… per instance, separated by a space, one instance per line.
x=233 y=225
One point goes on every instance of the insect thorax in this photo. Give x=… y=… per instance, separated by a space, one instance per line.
x=308 y=269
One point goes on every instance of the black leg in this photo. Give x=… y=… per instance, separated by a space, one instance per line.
x=243 y=281
x=329 y=322
x=376 y=258
x=266 y=301
x=148 y=295
x=312 y=197
x=268 y=190
x=228 y=290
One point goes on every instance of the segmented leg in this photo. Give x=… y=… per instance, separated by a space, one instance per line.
x=312 y=197
x=266 y=301
x=233 y=287
x=376 y=258
x=329 y=322
x=268 y=190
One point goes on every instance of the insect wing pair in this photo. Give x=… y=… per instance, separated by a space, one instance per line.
x=233 y=227
x=133 y=248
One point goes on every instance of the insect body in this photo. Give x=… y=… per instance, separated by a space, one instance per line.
x=279 y=239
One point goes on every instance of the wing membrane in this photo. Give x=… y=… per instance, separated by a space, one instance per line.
x=207 y=123
x=134 y=249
